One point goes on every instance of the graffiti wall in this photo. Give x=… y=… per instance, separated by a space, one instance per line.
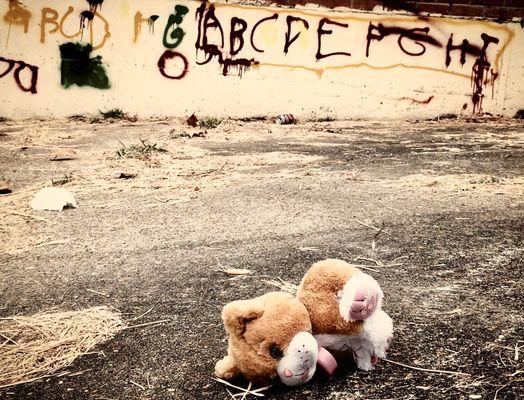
x=164 y=57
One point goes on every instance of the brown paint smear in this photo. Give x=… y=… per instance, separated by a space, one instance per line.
x=50 y=17
x=415 y=101
x=16 y=15
x=139 y=19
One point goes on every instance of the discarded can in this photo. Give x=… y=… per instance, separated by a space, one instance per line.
x=285 y=119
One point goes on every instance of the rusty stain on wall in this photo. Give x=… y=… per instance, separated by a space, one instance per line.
x=16 y=15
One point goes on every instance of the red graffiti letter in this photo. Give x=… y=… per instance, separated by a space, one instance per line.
x=169 y=55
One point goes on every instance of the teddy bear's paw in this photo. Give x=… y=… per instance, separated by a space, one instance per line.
x=225 y=368
x=361 y=296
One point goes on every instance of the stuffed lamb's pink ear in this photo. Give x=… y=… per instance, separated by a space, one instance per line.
x=237 y=314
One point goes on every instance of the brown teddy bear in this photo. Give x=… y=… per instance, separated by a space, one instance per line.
x=272 y=335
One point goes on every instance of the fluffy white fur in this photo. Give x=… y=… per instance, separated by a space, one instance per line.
x=373 y=340
x=349 y=290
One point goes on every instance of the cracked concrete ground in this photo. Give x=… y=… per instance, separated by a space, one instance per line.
x=272 y=199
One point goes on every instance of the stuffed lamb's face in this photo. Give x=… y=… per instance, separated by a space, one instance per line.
x=269 y=336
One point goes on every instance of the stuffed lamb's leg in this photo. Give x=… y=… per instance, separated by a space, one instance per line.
x=360 y=297
x=368 y=346
x=374 y=340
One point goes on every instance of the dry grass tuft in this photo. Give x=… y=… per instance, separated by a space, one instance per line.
x=284 y=286
x=39 y=345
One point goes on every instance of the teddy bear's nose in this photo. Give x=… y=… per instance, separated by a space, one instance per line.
x=288 y=373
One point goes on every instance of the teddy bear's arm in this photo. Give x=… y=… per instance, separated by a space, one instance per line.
x=226 y=368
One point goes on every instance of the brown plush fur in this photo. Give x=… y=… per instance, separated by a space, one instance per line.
x=254 y=326
x=318 y=292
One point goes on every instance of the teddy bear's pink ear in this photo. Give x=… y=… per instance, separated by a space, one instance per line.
x=237 y=314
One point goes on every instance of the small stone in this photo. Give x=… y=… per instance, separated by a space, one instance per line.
x=124 y=175
x=5 y=187
x=192 y=120
x=63 y=155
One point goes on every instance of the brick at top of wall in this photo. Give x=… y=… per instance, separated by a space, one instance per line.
x=514 y=3
x=464 y=8
x=486 y=2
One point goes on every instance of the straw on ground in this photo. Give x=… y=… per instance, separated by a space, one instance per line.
x=39 y=345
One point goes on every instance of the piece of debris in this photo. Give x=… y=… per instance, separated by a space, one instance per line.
x=305 y=248
x=96 y=292
x=63 y=155
x=137 y=385
x=244 y=392
x=54 y=242
x=236 y=271
x=5 y=186
x=519 y=114
x=131 y=118
x=436 y=371
x=53 y=199
x=173 y=134
x=77 y=117
x=254 y=118
x=194 y=134
x=192 y=121
x=444 y=116
x=124 y=175
x=40 y=345
x=61 y=181
x=285 y=119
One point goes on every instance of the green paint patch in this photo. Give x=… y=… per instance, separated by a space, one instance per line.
x=78 y=68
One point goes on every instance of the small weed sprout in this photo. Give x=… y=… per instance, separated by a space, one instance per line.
x=209 y=123
x=325 y=118
x=486 y=180
x=143 y=149
x=114 y=113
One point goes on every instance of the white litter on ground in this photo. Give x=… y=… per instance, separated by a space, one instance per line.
x=53 y=199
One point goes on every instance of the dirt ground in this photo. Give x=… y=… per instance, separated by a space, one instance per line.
x=273 y=199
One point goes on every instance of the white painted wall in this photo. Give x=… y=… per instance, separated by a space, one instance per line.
x=387 y=84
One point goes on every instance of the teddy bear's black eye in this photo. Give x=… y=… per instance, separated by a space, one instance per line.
x=275 y=352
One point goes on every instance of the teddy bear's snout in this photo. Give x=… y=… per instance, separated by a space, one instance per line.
x=299 y=362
